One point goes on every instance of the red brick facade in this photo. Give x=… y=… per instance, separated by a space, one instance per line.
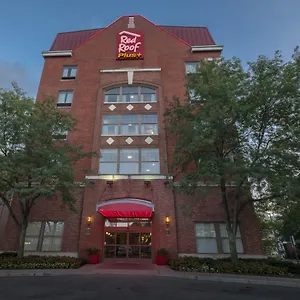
x=162 y=51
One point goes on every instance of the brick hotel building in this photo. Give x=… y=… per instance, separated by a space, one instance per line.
x=116 y=81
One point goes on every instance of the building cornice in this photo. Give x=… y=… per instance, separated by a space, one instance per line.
x=62 y=53
x=206 y=48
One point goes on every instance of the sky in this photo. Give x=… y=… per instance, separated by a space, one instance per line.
x=246 y=28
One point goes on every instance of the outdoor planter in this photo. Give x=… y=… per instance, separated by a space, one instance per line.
x=93 y=256
x=162 y=257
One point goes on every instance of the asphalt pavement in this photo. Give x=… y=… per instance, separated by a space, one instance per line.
x=116 y=287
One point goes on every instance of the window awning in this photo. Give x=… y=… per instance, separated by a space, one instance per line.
x=126 y=208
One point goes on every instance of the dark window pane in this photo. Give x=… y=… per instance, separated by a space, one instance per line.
x=129 y=168
x=110 y=129
x=148 y=97
x=115 y=91
x=149 y=129
x=129 y=90
x=111 y=119
x=129 y=129
x=146 y=90
x=112 y=98
x=150 y=168
x=129 y=155
x=150 y=155
x=128 y=119
x=108 y=155
x=108 y=168
x=150 y=118
x=130 y=98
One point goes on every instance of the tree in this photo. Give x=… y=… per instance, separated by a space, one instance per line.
x=242 y=133
x=34 y=164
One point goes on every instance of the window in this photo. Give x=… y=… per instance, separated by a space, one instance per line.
x=65 y=98
x=129 y=161
x=127 y=94
x=69 y=72
x=193 y=96
x=191 y=66
x=206 y=241
x=44 y=236
x=130 y=124
x=225 y=240
x=213 y=236
x=60 y=134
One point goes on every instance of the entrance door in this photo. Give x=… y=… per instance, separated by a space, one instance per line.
x=127 y=245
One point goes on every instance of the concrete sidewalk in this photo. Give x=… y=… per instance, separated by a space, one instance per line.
x=162 y=271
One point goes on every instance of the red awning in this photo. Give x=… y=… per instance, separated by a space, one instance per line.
x=126 y=208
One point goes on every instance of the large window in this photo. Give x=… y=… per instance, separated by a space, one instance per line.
x=129 y=124
x=65 y=98
x=192 y=66
x=129 y=161
x=127 y=94
x=69 y=72
x=213 y=238
x=44 y=236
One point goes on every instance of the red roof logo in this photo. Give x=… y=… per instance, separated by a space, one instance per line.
x=130 y=45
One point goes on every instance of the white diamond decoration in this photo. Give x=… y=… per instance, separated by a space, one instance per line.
x=112 y=107
x=148 y=106
x=148 y=140
x=130 y=107
x=110 y=141
x=129 y=140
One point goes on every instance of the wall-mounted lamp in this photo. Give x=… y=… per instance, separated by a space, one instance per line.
x=89 y=222
x=110 y=183
x=147 y=182
x=167 y=221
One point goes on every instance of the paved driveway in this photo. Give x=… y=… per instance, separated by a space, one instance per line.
x=117 y=287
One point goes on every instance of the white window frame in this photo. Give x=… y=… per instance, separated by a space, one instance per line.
x=139 y=94
x=41 y=236
x=140 y=125
x=191 y=66
x=67 y=72
x=140 y=161
x=65 y=94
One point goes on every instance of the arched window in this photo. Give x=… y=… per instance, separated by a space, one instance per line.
x=127 y=94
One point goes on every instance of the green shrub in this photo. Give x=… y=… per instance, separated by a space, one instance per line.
x=41 y=262
x=92 y=251
x=245 y=266
x=8 y=254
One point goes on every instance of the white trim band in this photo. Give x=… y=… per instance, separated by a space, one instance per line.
x=118 y=177
x=130 y=70
x=57 y=53
x=206 y=48
x=126 y=200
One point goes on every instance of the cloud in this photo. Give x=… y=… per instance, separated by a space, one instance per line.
x=17 y=72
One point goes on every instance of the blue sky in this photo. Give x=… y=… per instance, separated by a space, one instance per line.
x=246 y=28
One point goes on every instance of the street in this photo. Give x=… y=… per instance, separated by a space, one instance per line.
x=112 y=287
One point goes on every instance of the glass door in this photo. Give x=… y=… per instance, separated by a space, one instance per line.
x=127 y=245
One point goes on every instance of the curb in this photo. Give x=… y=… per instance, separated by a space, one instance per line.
x=224 y=278
x=269 y=281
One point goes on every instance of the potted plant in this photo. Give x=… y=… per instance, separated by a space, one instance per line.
x=162 y=256
x=93 y=255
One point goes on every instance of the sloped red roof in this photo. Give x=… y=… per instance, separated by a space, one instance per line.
x=194 y=36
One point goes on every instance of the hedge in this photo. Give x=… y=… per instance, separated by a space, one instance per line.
x=245 y=266
x=10 y=261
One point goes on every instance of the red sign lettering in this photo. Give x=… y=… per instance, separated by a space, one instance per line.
x=130 y=45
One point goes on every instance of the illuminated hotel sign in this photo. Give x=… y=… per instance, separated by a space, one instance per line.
x=130 y=45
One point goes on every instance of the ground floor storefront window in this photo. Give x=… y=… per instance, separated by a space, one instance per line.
x=212 y=238
x=44 y=236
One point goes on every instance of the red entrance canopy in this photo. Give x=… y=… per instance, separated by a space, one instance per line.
x=126 y=208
